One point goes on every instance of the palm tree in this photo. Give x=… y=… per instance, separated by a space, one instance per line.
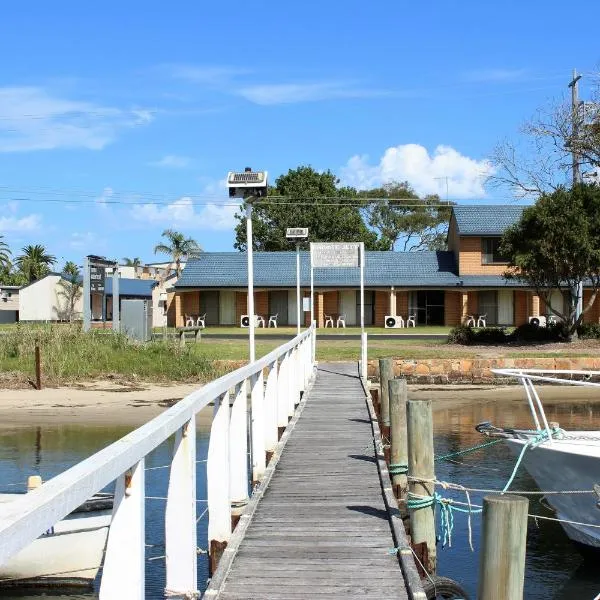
x=5 y=254
x=70 y=291
x=179 y=248
x=132 y=262
x=35 y=262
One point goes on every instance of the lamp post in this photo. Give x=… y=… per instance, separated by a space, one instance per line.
x=297 y=233
x=248 y=185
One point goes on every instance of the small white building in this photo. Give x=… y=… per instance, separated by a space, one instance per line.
x=9 y=303
x=45 y=300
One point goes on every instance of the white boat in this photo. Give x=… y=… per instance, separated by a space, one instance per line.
x=69 y=554
x=559 y=460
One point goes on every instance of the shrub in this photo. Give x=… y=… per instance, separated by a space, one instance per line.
x=535 y=333
x=587 y=331
x=490 y=335
x=461 y=334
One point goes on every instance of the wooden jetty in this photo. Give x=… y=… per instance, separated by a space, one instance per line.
x=322 y=528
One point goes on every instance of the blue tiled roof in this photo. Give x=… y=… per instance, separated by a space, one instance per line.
x=131 y=287
x=278 y=269
x=486 y=220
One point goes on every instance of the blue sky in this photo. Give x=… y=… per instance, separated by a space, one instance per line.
x=108 y=110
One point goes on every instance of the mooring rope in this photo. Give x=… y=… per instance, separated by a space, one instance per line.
x=398 y=469
x=467 y=450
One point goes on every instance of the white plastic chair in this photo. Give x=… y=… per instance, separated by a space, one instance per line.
x=189 y=320
x=470 y=322
x=411 y=321
x=260 y=321
x=481 y=320
x=341 y=319
x=200 y=322
x=328 y=319
x=273 y=320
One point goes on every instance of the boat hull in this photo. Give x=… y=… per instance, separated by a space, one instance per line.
x=567 y=465
x=71 y=553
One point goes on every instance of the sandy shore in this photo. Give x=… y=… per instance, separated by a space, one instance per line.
x=109 y=402
x=98 y=402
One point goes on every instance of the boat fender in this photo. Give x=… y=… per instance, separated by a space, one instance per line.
x=436 y=586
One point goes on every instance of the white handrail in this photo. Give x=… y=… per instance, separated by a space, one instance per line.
x=29 y=516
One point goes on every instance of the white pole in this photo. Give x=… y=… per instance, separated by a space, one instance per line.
x=363 y=337
x=250 y=280
x=312 y=289
x=87 y=299
x=298 y=287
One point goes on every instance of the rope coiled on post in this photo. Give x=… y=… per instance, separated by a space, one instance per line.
x=398 y=469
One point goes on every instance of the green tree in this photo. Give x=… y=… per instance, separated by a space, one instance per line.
x=404 y=219
x=35 y=262
x=132 y=262
x=556 y=246
x=309 y=201
x=5 y=254
x=71 y=290
x=178 y=247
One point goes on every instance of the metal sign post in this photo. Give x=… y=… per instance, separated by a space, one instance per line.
x=297 y=233
x=116 y=309
x=87 y=298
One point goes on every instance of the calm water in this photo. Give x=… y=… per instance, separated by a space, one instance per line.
x=554 y=568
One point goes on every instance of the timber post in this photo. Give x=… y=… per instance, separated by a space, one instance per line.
x=421 y=476
x=398 y=440
x=386 y=372
x=503 y=542
x=38 y=368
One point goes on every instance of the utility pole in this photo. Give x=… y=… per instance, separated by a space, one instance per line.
x=575 y=104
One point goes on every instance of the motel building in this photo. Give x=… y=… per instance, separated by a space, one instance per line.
x=436 y=287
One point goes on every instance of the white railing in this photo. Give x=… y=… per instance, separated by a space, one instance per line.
x=289 y=369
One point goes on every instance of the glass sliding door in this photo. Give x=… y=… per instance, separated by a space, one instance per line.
x=369 y=308
x=488 y=305
x=428 y=306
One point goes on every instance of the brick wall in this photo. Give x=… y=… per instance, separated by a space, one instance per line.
x=452 y=308
x=470 y=259
x=171 y=309
x=535 y=305
x=261 y=304
x=593 y=315
x=472 y=303
x=178 y=310
x=331 y=305
x=521 y=307
x=306 y=294
x=382 y=305
x=401 y=304
x=241 y=306
x=319 y=309
x=190 y=303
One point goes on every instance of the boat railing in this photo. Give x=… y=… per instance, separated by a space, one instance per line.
x=267 y=390
x=553 y=376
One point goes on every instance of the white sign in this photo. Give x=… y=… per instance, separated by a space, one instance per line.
x=306 y=304
x=296 y=233
x=334 y=254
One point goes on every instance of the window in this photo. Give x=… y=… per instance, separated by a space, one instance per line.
x=488 y=305
x=490 y=253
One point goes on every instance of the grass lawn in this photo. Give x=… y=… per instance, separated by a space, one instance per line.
x=291 y=331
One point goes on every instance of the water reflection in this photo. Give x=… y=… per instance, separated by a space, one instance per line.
x=554 y=567
x=48 y=451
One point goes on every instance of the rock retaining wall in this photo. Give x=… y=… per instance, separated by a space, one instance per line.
x=460 y=370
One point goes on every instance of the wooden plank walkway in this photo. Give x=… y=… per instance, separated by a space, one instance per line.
x=321 y=529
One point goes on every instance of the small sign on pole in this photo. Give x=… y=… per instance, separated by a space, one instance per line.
x=296 y=233
x=306 y=304
x=97 y=277
x=335 y=254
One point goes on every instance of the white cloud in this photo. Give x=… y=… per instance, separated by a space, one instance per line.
x=413 y=163
x=184 y=213
x=104 y=197
x=34 y=119
x=206 y=74
x=29 y=223
x=88 y=241
x=288 y=93
x=173 y=161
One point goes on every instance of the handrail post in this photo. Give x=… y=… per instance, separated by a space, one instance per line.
x=271 y=436
x=238 y=451
x=217 y=486
x=386 y=373
x=363 y=356
x=282 y=395
x=258 y=427
x=291 y=384
x=123 y=575
x=398 y=440
x=180 y=515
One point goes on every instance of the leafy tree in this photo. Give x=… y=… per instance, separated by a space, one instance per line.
x=178 y=247
x=71 y=290
x=5 y=253
x=309 y=201
x=132 y=262
x=404 y=219
x=556 y=246
x=35 y=262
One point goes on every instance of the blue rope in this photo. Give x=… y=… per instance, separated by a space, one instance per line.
x=398 y=469
x=467 y=450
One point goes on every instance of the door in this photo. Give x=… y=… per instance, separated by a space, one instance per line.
x=369 y=307
x=348 y=306
x=292 y=313
x=278 y=305
x=226 y=307
x=506 y=307
x=209 y=304
x=488 y=305
x=428 y=306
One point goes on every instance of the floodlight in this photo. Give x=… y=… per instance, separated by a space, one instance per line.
x=296 y=233
x=247 y=183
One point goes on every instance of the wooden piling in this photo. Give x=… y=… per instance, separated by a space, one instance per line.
x=503 y=540
x=398 y=440
x=38 y=368
x=386 y=372
x=421 y=467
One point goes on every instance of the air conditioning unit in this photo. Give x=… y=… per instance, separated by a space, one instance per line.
x=393 y=322
x=537 y=321
x=245 y=321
